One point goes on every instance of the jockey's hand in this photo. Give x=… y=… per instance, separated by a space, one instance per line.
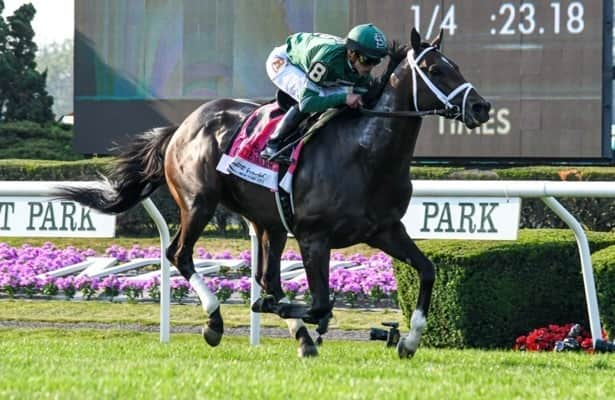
x=354 y=100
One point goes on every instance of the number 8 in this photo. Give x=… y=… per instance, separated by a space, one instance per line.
x=317 y=72
x=575 y=18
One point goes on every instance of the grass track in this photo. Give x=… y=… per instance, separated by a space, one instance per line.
x=235 y=315
x=65 y=364
x=110 y=364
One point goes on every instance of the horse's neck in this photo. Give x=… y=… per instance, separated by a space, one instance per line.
x=398 y=90
x=397 y=138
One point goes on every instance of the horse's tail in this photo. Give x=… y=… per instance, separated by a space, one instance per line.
x=135 y=174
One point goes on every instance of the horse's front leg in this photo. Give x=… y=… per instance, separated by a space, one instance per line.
x=271 y=246
x=396 y=242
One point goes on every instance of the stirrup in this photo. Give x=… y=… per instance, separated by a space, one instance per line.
x=269 y=154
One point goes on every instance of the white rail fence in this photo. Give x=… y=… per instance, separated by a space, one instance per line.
x=547 y=191
x=27 y=210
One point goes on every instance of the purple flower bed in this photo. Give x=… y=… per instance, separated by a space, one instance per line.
x=370 y=283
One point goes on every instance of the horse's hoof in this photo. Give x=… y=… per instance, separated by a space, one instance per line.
x=319 y=316
x=213 y=330
x=291 y=311
x=315 y=317
x=264 y=304
x=307 y=350
x=403 y=351
x=212 y=337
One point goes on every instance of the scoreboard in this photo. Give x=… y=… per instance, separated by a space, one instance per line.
x=545 y=66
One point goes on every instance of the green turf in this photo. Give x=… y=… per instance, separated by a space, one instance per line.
x=87 y=364
x=111 y=364
x=148 y=313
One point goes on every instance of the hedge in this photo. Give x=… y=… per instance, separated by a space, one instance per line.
x=603 y=262
x=31 y=140
x=49 y=170
x=487 y=293
x=595 y=214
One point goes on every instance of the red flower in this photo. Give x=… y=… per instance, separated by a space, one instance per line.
x=587 y=344
x=544 y=338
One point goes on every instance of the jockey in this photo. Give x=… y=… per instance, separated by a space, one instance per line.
x=321 y=71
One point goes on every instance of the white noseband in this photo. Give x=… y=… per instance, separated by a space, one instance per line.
x=444 y=99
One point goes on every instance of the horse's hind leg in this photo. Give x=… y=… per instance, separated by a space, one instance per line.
x=398 y=244
x=193 y=220
x=272 y=244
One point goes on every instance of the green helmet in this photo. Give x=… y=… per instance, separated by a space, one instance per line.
x=367 y=39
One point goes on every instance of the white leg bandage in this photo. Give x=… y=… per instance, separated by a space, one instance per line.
x=293 y=324
x=208 y=299
x=417 y=325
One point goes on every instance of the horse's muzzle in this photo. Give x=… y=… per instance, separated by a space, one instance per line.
x=480 y=111
x=477 y=114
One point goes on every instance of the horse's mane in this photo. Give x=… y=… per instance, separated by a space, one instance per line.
x=396 y=54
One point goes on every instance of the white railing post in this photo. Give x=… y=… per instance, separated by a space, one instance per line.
x=255 y=290
x=165 y=274
x=586 y=266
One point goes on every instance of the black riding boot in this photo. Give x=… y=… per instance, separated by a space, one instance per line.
x=287 y=125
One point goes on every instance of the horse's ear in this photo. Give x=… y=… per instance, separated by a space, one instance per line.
x=437 y=42
x=415 y=41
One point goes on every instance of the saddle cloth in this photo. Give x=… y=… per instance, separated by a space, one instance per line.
x=243 y=158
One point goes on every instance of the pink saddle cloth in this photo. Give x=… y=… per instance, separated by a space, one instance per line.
x=255 y=133
x=243 y=158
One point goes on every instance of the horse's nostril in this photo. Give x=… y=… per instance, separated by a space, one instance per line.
x=480 y=108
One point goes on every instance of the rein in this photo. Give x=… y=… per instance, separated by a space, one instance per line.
x=444 y=112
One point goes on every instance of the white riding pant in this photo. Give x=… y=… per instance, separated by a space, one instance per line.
x=291 y=79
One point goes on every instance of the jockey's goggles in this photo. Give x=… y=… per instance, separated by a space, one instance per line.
x=365 y=60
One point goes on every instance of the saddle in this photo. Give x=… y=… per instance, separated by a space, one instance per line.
x=243 y=159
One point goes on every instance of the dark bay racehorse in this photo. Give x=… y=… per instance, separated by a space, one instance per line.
x=352 y=185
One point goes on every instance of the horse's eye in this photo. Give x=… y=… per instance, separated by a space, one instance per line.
x=435 y=70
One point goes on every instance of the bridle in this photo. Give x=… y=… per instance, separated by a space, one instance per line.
x=450 y=110
x=464 y=88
